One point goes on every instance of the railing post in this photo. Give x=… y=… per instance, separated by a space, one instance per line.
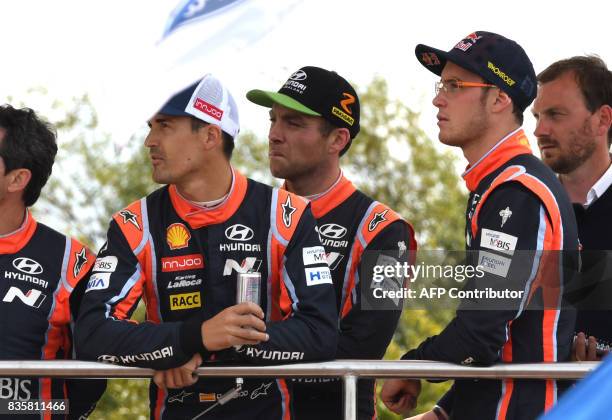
x=350 y=397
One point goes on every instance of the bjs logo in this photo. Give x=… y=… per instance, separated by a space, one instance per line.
x=183 y=262
x=208 y=109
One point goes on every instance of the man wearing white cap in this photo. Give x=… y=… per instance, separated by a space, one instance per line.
x=182 y=247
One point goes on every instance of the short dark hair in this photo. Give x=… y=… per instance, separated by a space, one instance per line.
x=30 y=143
x=326 y=127
x=518 y=113
x=592 y=76
x=228 y=141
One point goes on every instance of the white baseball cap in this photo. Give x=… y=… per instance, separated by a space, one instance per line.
x=207 y=100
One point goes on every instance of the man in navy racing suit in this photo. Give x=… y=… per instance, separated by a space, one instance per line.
x=313 y=124
x=182 y=247
x=43 y=271
x=518 y=219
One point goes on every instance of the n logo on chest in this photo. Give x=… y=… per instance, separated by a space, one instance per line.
x=249 y=264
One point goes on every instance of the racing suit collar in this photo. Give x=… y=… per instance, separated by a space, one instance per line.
x=512 y=145
x=323 y=203
x=15 y=241
x=198 y=217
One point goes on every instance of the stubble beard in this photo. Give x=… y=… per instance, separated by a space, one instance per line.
x=471 y=131
x=582 y=145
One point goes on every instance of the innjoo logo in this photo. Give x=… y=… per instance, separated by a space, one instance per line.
x=239 y=232
x=208 y=109
x=27 y=265
x=183 y=262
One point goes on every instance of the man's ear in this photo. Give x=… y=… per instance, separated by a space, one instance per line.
x=501 y=101
x=340 y=138
x=605 y=120
x=18 y=179
x=211 y=136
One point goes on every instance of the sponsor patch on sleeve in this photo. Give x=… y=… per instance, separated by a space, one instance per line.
x=314 y=255
x=317 y=275
x=98 y=281
x=493 y=263
x=380 y=279
x=106 y=264
x=498 y=241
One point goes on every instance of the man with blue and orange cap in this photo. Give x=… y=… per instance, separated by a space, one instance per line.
x=516 y=211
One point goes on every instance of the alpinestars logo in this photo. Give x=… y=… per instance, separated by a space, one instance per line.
x=80 y=260
x=179 y=397
x=377 y=220
x=32 y=297
x=262 y=390
x=288 y=211
x=129 y=217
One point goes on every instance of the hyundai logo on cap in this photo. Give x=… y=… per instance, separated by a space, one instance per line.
x=298 y=75
x=317 y=92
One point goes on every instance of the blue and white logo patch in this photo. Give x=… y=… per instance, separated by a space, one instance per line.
x=98 y=281
x=318 y=275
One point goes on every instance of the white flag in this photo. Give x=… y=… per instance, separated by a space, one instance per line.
x=199 y=37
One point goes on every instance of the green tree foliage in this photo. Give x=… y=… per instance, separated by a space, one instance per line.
x=392 y=160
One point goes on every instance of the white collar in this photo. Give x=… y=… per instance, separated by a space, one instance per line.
x=599 y=188
x=209 y=205
x=321 y=194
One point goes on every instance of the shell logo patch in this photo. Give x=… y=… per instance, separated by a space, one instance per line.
x=177 y=236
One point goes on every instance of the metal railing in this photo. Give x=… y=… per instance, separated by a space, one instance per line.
x=349 y=370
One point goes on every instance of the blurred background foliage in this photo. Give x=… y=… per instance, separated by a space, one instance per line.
x=392 y=160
